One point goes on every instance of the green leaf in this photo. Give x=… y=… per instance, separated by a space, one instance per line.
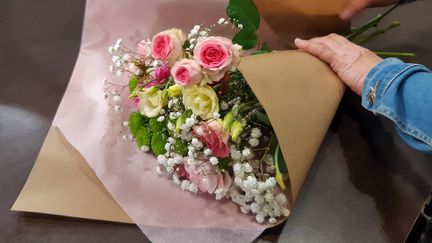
x=265 y=47
x=158 y=141
x=133 y=82
x=280 y=161
x=245 y=13
x=155 y=125
x=180 y=147
x=136 y=121
x=143 y=137
x=263 y=118
x=281 y=168
x=246 y=38
x=223 y=163
x=260 y=52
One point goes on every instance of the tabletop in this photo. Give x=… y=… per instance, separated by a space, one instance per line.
x=366 y=185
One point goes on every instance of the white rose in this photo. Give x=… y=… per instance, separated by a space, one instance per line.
x=202 y=100
x=151 y=102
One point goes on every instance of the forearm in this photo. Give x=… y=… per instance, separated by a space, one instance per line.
x=403 y=93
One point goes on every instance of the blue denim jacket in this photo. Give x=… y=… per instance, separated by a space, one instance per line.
x=402 y=92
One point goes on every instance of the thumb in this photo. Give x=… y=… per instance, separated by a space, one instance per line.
x=353 y=8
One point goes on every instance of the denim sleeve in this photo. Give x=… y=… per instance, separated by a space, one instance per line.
x=402 y=92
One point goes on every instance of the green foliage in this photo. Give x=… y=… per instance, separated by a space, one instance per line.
x=156 y=126
x=143 y=137
x=158 y=141
x=246 y=38
x=180 y=147
x=262 y=118
x=136 y=121
x=133 y=82
x=223 y=163
x=245 y=13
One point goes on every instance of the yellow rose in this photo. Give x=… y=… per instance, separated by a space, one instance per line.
x=202 y=100
x=151 y=101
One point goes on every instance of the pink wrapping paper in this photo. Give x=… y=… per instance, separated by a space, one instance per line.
x=161 y=209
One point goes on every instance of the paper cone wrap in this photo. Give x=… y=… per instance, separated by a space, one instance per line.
x=300 y=95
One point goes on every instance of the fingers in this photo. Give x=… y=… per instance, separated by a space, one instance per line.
x=316 y=48
x=353 y=8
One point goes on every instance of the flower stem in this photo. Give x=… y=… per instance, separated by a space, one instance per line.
x=370 y=24
x=394 y=54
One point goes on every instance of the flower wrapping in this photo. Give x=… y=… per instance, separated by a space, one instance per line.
x=289 y=85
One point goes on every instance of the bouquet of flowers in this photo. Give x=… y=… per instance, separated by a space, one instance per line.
x=196 y=112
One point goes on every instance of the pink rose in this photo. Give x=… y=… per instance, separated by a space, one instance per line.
x=217 y=55
x=187 y=72
x=168 y=45
x=208 y=179
x=214 y=136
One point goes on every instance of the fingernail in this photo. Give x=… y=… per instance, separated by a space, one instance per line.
x=299 y=41
x=345 y=15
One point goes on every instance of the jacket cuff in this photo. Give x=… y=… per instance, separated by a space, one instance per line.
x=379 y=80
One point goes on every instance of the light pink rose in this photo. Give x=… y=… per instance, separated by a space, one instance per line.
x=168 y=45
x=214 y=136
x=208 y=179
x=144 y=49
x=217 y=55
x=187 y=72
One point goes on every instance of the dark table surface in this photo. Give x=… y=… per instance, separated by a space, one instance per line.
x=366 y=185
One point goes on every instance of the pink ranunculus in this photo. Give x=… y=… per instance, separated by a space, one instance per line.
x=214 y=136
x=217 y=55
x=161 y=74
x=208 y=179
x=187 y=72
x=168 y=45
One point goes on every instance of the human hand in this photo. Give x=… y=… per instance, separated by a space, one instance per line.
x=351 y=62
x=356 y=6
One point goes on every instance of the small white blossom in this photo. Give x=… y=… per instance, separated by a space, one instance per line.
x=207 y=152
x=272 y=220
x=111 y=49
x=214 y=160
x=286 y=212
x=126 y=57
x=162 y=159
x=185 y=185
x=176 y=179
x=255 y=208
x=193 y=188
x=203 y=33
x=253 y=142
x=119 y=73
x=199 y=131
x=281 y=199
x=158 y=170
x=116 y=98
x=170 y=126
x=247 y=167
x=111 y=68
x=117 y=108
x=221 y=21
x=244 y=209
x=145 y=148
x=246 y=152
x=224 y=105
x=125 y=137
x=161 y=119
x=256 y=132
x=216 y=115
x=125 y=123
x=260 y=218
x=240 y=26
x=196 y=143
